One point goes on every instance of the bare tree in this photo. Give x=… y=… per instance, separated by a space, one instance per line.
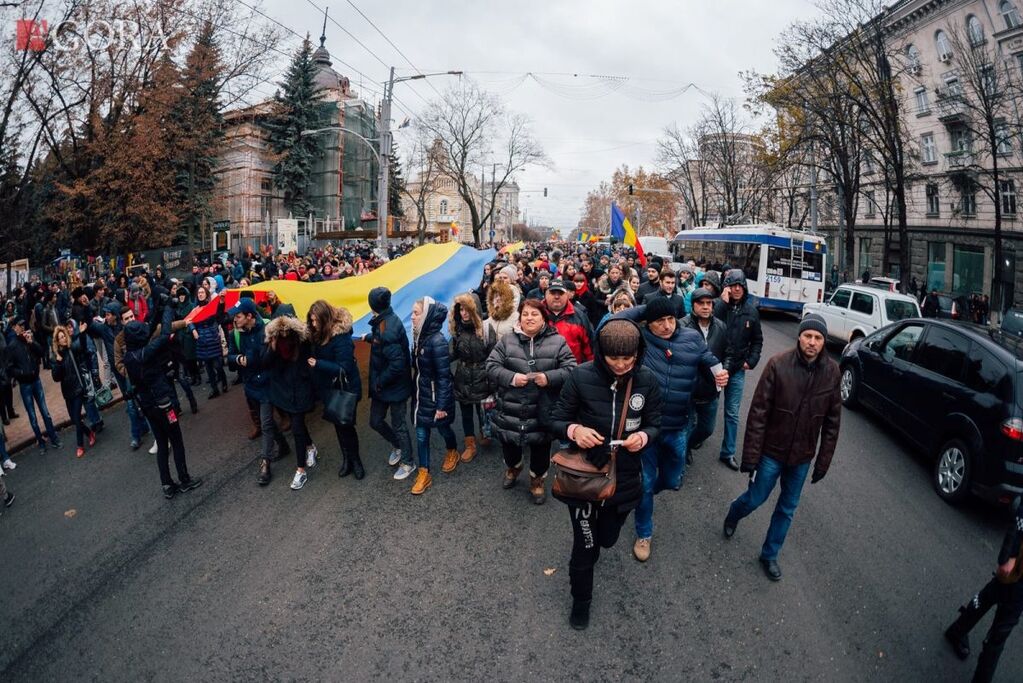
x=423 y=164
x=476 y=134
x=680 y=162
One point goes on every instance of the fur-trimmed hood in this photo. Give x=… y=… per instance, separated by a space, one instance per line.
x=504 y=309
x=279 y=327
x=468 y=302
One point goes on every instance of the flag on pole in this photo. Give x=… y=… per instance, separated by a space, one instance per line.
x=622 y=230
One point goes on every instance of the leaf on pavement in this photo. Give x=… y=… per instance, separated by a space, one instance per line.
x=70 y=513
x=550 y=571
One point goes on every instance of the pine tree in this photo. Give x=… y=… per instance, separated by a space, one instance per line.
x=297 y=110
x=198 y=129
x=395 y=184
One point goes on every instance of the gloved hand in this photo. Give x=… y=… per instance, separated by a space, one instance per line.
x=747 y=467
x=598 y=456
x=817 y=476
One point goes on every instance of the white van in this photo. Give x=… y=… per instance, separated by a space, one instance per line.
x=655 y=246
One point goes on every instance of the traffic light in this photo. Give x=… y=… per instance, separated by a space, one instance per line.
x=545 y=192
x=630 y=188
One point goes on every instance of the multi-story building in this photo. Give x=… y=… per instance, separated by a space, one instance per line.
x=950 y=216
x=444 y=208
x=344 y=178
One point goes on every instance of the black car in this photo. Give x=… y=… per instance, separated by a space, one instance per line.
x=1012 y=322
x=955 y=389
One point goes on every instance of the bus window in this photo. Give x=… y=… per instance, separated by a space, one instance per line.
x=780 y=262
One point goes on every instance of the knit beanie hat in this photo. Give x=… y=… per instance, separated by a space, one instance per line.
x=701 y=293
x=512 y=272
x=659 y=307
x=618 y=338
x=813 y=322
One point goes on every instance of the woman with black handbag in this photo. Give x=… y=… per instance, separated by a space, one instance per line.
x=334 y=370
x=610 y=408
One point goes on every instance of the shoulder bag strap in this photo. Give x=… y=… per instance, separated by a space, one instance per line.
x=625 y=410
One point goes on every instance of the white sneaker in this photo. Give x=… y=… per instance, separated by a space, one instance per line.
x=310 y=456
x=403 y=471
x=153 y=449
x=299 y=481
x=394 y=458
x=9 y=464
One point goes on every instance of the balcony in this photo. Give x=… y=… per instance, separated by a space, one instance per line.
x=951 y=108
x=959 y=159
x=446 y=218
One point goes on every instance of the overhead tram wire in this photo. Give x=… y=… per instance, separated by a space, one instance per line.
x=391 y=43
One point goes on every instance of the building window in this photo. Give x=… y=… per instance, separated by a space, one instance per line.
x=933 y=200
x=928 y=150
x=864 y=254
x=868 y=163
x=988 y=82
x=1009 y=14
x=444 y=207
x=913 y=57
x=967 y=269
x=1003 y=137
x=961 y=141
x=265 y=198
x=1007 y=192
x=871 y=204
x=952 y=87
x=922 y=105
x=943 y=46
x=968 y=202
x=975 y=30
x=936 y=266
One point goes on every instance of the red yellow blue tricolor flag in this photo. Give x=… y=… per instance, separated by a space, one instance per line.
x=622 y=230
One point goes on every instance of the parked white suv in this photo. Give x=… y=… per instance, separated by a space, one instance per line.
x=857 y=310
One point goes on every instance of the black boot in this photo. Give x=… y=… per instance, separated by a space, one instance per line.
x=346 y=466
x=213 y=393
x=264 y=472
x=580 y=616
x=193 y=405
x=223 y=386
x=357 y=469
x=957 y=634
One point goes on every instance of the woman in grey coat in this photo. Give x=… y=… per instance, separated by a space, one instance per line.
x=528 y=368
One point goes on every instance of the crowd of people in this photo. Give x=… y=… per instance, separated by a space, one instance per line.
x=566 y=348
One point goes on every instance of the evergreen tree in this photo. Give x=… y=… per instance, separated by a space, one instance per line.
x=198 y=129
x=297 y=110
x=395 y=184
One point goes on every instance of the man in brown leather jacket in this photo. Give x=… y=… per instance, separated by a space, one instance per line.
x=797 y=401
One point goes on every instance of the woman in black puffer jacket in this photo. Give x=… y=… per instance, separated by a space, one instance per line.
x=528 y=368
x=469 y=347
x=70 y=368
x=433 y=403
x=588 y=412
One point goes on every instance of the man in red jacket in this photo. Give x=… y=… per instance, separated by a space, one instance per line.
x=571 y=324
x=797 y=401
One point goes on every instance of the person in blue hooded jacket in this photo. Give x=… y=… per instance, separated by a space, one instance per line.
x=675 y=354
x=433 y=404
x=390 y=380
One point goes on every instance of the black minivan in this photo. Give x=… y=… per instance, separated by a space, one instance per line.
x=955 y=389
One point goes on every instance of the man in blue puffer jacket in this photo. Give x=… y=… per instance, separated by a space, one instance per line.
x=390 y=379
x=675 y=354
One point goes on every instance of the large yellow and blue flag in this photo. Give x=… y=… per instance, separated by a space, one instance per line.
x=442 y=271
x=622 y=230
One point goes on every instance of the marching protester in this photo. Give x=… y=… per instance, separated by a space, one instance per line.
x=743 y=343
x=246 y=347
x=676 y=355
x=668 y=292
x=285 y=358
x=390 y=380
x=1004 y=592
x=609 y=408
x=570 y=323
x=797 y=403
x=652 y=283
x=70 y=368
x=469 y=348
x=26 y=356
x=333 y=364
x=703 y=415
x=433 y=403
x=528 y=369
x=145 y=368
x=210 y=344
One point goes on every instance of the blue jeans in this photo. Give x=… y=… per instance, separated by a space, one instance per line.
x=136 y=420
x=767 y=475
x=32 y=394
x=664 y=465
x=423 y=442
x=733 y=400
x=702 y=417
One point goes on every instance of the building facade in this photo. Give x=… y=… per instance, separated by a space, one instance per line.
x=448 y=215
x=950 y=195
x=344 y=179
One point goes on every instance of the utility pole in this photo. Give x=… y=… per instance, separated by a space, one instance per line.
x=813 y=192
x=483 y=200
x=493 y=197
x=383 y=191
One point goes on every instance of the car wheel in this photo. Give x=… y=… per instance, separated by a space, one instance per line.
x=849 y=386
x=952 y=471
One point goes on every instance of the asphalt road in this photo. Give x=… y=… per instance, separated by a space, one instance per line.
x=103 y=579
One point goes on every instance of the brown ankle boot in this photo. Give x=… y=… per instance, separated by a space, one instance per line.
x=450 y=461
x=511 y=475
x=470 y=449
x=537 y=489
x=257 y=430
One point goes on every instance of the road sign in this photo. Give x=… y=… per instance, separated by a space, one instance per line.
x=221 y=225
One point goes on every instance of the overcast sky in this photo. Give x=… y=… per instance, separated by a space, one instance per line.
x=659 y=46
